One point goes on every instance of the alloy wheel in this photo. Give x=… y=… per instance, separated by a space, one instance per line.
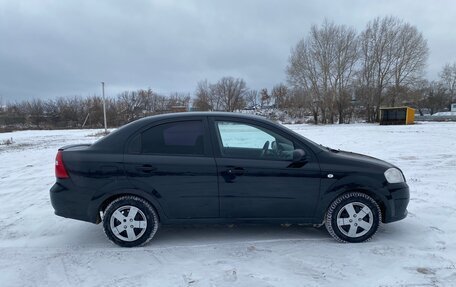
x=355 y=219
x=128 y=223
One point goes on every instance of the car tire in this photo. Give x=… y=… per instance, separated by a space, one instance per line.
x=353 y=217
x=130 y=221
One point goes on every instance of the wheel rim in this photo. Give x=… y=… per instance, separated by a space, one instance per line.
x=128 y=223
x=355 y=219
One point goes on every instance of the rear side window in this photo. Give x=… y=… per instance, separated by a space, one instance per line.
x=179 y=138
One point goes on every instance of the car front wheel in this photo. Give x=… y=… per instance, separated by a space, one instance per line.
x=130 y=221
x=353 y=217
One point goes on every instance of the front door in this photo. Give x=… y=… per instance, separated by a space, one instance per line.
x=257 y=178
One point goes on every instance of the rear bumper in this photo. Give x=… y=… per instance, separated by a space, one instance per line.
x=397 y=203
x=69 y=203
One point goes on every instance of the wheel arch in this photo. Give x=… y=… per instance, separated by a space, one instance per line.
x=98 y=206
x=334 y=194
x=374 y=196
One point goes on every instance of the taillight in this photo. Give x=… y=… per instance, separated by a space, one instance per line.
x=60 y=171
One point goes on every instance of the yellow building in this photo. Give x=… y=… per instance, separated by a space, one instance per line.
x=397 y=116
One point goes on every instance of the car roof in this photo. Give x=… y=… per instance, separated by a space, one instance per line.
x=171 y=116
x=205 y=114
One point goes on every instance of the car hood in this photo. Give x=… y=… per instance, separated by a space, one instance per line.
x=361 y=159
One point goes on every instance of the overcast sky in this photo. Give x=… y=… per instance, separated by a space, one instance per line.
x=63 y=48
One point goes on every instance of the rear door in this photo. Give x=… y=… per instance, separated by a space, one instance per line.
x=257 y=178
x=173 y=161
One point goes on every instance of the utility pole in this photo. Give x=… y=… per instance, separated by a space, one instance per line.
x=104 y=108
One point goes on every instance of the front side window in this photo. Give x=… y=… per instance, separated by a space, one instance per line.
x=179 y=138
x=242 y=140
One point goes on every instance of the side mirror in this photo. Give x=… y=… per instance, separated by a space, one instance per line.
x=298 y=155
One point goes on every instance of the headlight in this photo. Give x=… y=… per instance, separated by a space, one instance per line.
x=393 y=175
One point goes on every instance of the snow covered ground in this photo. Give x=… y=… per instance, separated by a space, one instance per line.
x=38 y=248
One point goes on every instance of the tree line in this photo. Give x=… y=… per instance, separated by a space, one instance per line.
x=78 y=112
x=336 y=66
x=334 y=74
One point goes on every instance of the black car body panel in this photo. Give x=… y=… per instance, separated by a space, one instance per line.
x=207 y=186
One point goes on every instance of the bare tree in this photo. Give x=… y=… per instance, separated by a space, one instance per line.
x=252 y=98
x=323 y=64
x=231 y=93
x=410 y=56
x=178 y=101
x=298 y=104
x=70 y=111
x=265 y=98
x=161 y=104
x=448 y=80
x=304 y=75
x=280 y=93
x=416 y=96
x=147 y=99
x=35 y=109
x=436 y=97
x=393 y=53
x=130 y=104
x=341 y=72
x=378 y=57
x=204 y=97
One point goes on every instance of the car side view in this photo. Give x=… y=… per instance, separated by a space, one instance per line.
x=211 y=167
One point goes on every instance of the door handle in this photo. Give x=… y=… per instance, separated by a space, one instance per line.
x=235 y=171
x=146 y=168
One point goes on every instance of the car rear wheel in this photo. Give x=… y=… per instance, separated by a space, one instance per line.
x=130 y=221
x=353 y=217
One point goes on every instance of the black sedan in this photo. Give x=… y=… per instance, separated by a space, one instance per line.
x=222 y=168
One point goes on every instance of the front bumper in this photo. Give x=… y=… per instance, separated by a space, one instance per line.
x=397 y=202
